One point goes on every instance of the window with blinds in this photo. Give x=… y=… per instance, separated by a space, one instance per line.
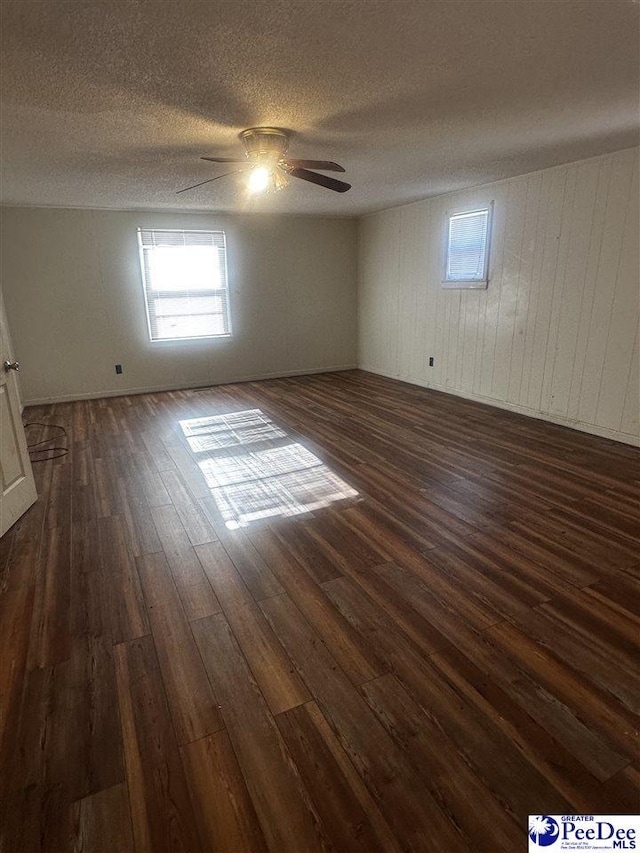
x=467 y=249
x=185 y=284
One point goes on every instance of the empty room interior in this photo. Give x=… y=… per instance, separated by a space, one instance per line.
x=319 y=426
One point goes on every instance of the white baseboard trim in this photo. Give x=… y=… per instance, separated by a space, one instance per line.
x=152 y=389
x=581 y=426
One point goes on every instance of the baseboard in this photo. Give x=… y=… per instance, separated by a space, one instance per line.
x=581 y=426
x=152 y=389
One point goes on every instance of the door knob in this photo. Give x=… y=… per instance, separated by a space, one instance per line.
x=11 y=365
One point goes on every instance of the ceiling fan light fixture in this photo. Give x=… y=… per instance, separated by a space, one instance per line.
x=259 y=179
x=280 y=179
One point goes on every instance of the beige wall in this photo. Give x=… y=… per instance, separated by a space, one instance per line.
x=555 y=335
x=73 y=293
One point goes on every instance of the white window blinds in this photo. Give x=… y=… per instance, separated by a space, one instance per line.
x=468 y=246
x=185 y=283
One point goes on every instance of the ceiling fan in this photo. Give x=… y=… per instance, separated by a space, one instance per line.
x=269 y=169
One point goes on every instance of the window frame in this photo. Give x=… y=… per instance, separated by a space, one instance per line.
x=468 y=283
x=212 y=291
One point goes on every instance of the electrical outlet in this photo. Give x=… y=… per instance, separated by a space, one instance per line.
x=118 y=368
x=430 y=361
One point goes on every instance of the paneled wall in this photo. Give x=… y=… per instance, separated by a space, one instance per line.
x=555 y=335
x=73 y=292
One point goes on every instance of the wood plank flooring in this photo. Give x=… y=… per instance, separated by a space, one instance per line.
x=329 y=613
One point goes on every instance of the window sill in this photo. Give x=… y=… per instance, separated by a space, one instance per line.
x=201 y=338
x=470 y=284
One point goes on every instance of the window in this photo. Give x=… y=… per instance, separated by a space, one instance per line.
x=467 y=248
x=185 y=284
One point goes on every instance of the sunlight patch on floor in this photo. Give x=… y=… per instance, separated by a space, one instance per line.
x=282 y=478
x=229 y=430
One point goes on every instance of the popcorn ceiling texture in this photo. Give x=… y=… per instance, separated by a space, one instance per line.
x=110 y=104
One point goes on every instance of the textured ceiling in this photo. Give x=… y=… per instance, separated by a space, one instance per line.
x=110 y=104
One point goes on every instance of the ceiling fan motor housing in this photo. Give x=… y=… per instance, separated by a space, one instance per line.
x=265 y=143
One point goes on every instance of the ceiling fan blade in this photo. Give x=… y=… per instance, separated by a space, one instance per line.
x=217 y=178
x=323 y=165
x=321 y=180
x=225 y=159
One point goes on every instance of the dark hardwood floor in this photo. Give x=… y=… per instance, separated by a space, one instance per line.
x=332 y=613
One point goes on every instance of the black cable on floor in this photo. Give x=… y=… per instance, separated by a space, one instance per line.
x=58 y=451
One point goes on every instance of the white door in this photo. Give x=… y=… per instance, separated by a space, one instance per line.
x=18 y=488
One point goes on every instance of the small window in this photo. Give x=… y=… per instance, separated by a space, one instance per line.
x=185 y=284
x=467 y=248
